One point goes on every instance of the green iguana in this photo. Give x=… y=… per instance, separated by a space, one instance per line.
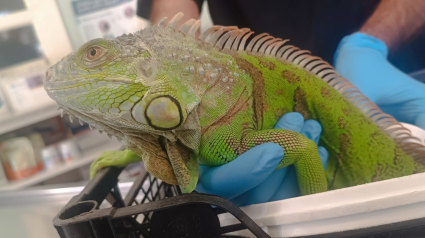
x=176 y=101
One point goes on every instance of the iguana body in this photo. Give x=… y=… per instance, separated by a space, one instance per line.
x=176 y=101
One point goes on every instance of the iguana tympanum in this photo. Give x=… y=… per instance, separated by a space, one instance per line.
x=176 y=101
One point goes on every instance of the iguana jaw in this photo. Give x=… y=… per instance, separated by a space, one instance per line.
x=181 y=157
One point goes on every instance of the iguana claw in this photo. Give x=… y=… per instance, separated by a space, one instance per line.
x=113 y=158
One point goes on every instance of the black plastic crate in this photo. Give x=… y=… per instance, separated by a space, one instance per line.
x=162 y=211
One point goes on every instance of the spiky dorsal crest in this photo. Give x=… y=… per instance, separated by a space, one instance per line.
x=231 y=39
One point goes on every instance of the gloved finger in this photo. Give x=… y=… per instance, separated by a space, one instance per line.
x=312 y=130
x=288 y=187
x=245 y=172
x=324 y=155
x=420 y=121
x=264 y=191
x=293 y=121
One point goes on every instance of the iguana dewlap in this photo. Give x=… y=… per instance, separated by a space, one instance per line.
x=176 y=101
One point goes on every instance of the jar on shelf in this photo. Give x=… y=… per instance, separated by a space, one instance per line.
x=18 y=158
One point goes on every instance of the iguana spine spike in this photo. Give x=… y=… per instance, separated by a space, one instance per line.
x=339 y=84
x=254 y=40
x=186 y=26
x=213 y=38
x=256 y=47
x=277 y=46
x=346 y=88
x=194 y=28
x=296 y=54
x=314 y=64
x=416 y=143
x=334 y=82
x=388 y=124
x=330 y=77
x=351 y=92
x=206 y=33
x=282 y=50
x=175 y=20
x=161 y=23
x=232 y=38
x=372 y=113
x=322 y=74
x=383 y=120
x=287 y=53
x=266 y=47
x=320 y=68
x=379 y=118
x=243 y=42
x=238 y=38
x=393 y=130
x=224 y=38
x=400 y=137
x=309 y=59
x=301 y=58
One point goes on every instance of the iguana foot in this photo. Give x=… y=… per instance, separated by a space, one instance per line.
x=300 y=151
x=113 y=158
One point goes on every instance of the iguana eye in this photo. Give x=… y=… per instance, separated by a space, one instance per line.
x=93 y=52
x=96 y=53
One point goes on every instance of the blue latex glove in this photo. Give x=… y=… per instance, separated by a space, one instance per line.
x=362 y=60
x=252 y=177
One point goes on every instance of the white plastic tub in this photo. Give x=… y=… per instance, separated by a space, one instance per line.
x=364 y=206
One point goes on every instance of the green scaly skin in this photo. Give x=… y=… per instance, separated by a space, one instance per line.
x=176 y=102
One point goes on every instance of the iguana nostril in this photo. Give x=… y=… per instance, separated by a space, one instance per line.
x=49 y=75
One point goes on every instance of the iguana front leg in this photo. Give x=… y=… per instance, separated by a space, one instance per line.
x=113 y=158
x=175 y=165
x=155 y=163
x=299 y=151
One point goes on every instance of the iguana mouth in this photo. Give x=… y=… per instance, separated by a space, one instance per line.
x=92 y=121
x=71 y=86
x=78 y=86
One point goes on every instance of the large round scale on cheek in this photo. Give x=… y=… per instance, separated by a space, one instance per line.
x=138 y=112
x=164 y=113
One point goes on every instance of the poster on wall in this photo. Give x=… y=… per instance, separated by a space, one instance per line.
x=105 y=18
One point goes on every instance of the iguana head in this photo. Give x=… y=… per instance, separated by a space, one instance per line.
x=116 y=82
x=140 y=89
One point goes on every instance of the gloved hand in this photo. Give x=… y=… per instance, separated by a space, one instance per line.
x=362 y=60
x=252 y=177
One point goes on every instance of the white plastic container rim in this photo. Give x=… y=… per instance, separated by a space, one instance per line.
x=363 y=206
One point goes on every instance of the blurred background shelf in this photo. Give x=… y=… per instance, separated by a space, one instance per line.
x=13 y=121
x=87 y=157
